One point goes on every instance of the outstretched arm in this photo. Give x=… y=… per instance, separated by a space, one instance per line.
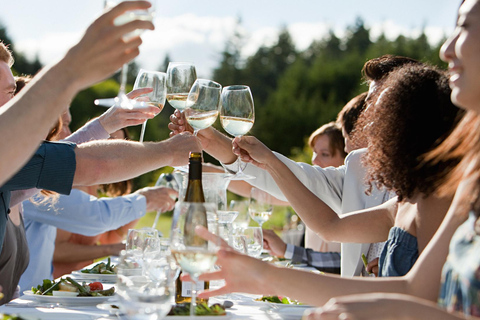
x=367 y=226
x=423 y=281
x=382 y=306
x=109 y=161
x=26 y=119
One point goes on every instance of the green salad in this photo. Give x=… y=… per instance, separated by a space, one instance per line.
x=201 y=309
x=101 y=268
x=94 y=289
x=278 y=299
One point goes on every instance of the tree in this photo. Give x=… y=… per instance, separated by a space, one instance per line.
x=228 y=72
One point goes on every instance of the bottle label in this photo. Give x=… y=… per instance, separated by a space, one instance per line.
x=187 y=288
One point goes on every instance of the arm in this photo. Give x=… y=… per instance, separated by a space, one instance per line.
x=67 y=252
x=85 y=214
x=117 y=235
x=114 y=119
x=423 y=280
x=25 y=120
x=365 y=226
x=373 y=306
x=109 y=161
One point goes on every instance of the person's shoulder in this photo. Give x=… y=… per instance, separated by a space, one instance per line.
x=354 y=159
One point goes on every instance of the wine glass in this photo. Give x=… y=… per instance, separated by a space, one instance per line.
x=260 y=207
x=180 y=78
x=157 y=81
x=145 y=15
x=194 y=254
x=243 y=218
x=202 y=104
x=237 y=116
x=249 y=240
x=144 y=295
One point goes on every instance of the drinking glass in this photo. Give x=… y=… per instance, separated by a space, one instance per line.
x=243 y=218
x=237 y=116
x=202 y=104
x=157 y=81
x=144 y=295
x=166 y=180
x=137 y=241
x=180 y=78
x=225 y=220
x=249 y=240
x=194 y=254
x=260 y=207
x=146 y=15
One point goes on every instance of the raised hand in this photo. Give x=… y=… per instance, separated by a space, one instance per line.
x=103 y=49
x=181 y=145
x=252 y=150
x=117 y=117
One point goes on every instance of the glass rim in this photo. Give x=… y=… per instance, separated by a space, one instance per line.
x=236 y=87
x=208 y=83
x=151 y=71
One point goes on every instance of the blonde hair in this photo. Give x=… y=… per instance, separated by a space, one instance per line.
x=6 y=54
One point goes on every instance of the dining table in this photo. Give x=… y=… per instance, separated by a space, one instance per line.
x=245 y=306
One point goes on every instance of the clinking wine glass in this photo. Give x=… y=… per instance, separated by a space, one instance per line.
x=202 y=104
x=237 y=116
x=157 y=81
x=180 y=79
x=145 y=15
x=194 y=254
x=260 y=207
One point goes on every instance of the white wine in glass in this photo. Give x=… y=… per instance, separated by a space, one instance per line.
x=194 y=254
x=237 y=115
x=180 y=79
x=157 y=81
x=202 y=104
x=260 y=207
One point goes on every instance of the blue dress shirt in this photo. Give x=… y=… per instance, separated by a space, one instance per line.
x=52 y=167
x=78 y=213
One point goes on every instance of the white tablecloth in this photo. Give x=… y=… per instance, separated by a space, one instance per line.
x=244 y=308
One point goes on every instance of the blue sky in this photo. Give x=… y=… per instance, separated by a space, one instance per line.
x=191 y=30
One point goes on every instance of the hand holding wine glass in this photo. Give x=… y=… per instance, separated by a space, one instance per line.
x=127 y=17
x=180 y=79
x=157 y=81
x=202 y=104
x=237 y=116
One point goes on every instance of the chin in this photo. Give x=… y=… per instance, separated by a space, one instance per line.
x=465 y=101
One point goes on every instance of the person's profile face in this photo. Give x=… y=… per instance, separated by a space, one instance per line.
x=322 y=156
x=7 y=83
x=462 y=52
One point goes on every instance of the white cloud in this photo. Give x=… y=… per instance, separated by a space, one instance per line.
x=201 y=40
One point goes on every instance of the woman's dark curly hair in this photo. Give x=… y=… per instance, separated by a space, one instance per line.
x=413 y=113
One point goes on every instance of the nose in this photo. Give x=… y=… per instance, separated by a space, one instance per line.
x=315 y=159
x=447 y=52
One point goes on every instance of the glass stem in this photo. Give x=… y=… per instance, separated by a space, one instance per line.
x=193 y=304
x=123 y=79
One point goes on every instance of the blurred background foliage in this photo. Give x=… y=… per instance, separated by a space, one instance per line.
x=295 y=92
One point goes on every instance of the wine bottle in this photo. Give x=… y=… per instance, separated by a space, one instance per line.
x=194 y=193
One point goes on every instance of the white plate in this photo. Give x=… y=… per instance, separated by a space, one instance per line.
x=116 y=311
x=67 y=300
x=111 y=278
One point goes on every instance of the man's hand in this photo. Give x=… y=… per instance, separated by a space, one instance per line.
x=103 y=49
x=159 y=198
